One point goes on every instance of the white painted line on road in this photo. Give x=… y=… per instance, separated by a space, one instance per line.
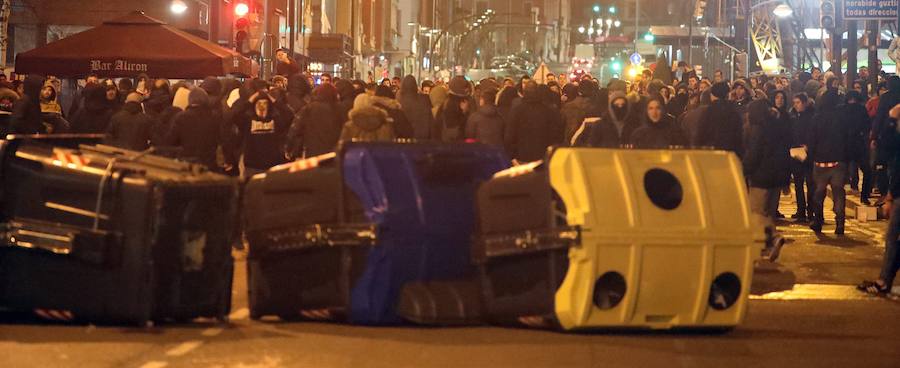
x=817 y=292
x=239 y=314
x=154 y=364
x=184 y=348
x=210 y=332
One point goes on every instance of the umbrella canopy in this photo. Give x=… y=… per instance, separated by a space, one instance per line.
x=131 y=45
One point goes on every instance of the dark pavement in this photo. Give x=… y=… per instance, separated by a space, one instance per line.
x=804 y=313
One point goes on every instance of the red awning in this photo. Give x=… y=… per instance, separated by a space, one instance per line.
x=131 y=45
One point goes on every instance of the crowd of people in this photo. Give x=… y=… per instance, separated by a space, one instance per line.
x=813 y=130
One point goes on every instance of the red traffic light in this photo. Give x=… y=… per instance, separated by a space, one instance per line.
x=241 y=9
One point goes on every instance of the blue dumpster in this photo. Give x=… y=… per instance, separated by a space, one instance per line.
x=354 y=227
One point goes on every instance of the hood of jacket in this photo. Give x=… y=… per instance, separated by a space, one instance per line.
x=368 y=118
x=438 y=95
x=628 y=105
x=409 y=86
x=385 y=102
x=181 y=98
x=32 y=86
x=298 y=85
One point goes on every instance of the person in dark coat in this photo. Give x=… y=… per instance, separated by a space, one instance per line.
x=298 y=92
x=486 y=125
x=130 y=127
x=346 y=97
x=385 y=99
x=658 y=130
x=94 y=116
x=505 y=100
x=801 y=171
x=450 y=123
x=881 y=134
x=196 y=131
x=532 y=127
x=767 y=166
x=679 y=103
x=615 y=127
x=415 y=107
x=583 y=106
x=26 y=116
x=722 y=125
x=317 y=128
x=828 y=151
x=855 y=115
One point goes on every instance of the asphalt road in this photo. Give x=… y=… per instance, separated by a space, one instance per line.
x=804 y=313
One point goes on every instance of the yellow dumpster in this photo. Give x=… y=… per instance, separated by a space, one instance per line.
x=667 y=238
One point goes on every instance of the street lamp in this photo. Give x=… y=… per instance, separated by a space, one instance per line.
x=783 y=11
x=596 y=8
x=581 y=29
x=178 y=7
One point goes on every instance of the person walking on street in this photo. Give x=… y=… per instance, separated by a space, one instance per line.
x=367 y=123
x=317 y=129
x=415 y=108
x=767 y=166
x=263 y=133
x=854 y=113
x=828 y=150
x=26 y=115
x=614 y=128
x=722 y=124
x=196 y=131
x=486 y=125
x=658 y=130
x=891 y=208
x=532 y=127
x=801 y=171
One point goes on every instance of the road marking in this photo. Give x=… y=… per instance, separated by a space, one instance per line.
x=817 y=292
x=184 y=348
x=211 y=332
x=239 y=314
x=154 y=364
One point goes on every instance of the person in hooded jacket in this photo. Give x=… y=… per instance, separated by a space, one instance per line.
x=367 y=123
x=26 y=116
x=51 y=111
x=486 y=125
x=767 y=166
x=94 y=117
x=196 y=131
x=575 y=111
x=882 y=134
x=532 y=127
x=298 y=92
x=161 y=134
x=415 y=108
x=722 y=124
x=385 y=99
x=8 y=98
x=158 y=98
x=828 y=151
x=855 y=115
x=658 y=130
x=130 y=128
x=317 y=129
x=615 y=127
x=438 y=95
x=263 y=134
x=346 y=98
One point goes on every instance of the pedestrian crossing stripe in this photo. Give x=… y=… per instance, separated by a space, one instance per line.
x=823 y=292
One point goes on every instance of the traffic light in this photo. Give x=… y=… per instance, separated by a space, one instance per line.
x=827 y=14
x=241 y=27
x=616 y=66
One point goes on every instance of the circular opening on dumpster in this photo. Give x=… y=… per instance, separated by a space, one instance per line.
x=725 y=290
x=609 y=290
x=663 y=189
